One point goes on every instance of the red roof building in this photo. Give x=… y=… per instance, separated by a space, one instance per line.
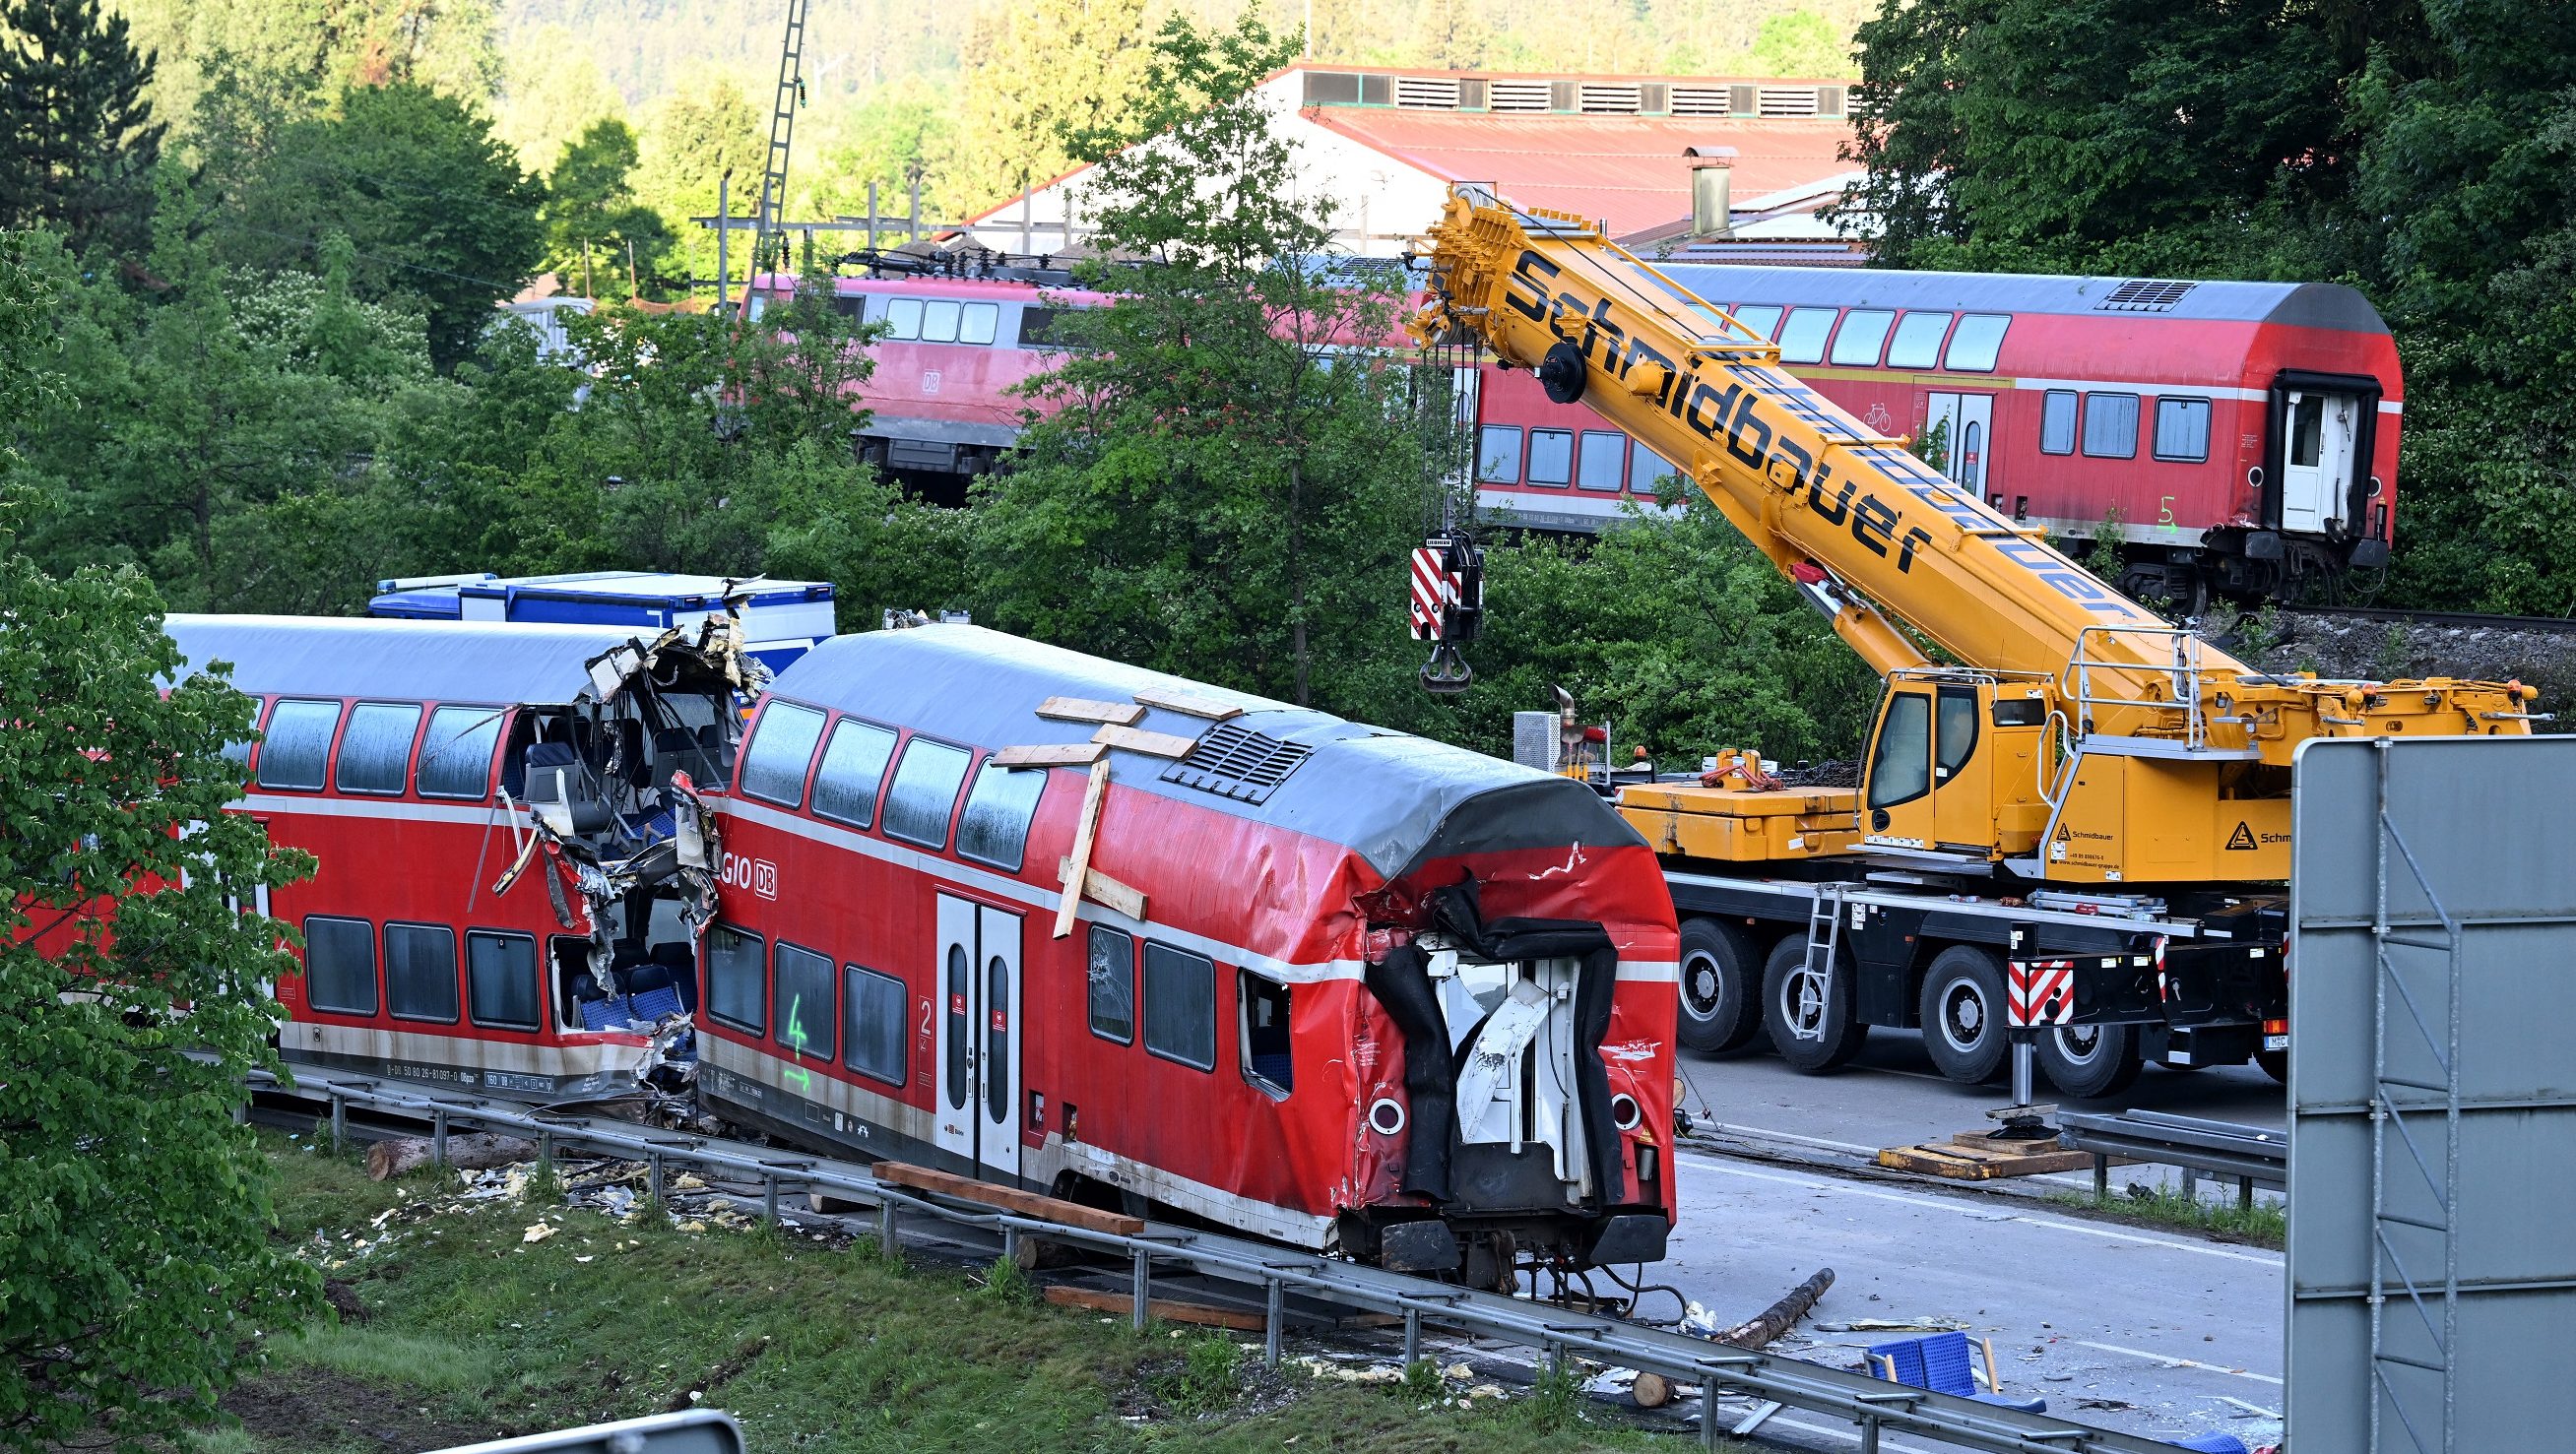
x=1385 y=146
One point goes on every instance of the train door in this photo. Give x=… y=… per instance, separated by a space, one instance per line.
x=978 y=1035
x=2320 y=436
x=1970 y=419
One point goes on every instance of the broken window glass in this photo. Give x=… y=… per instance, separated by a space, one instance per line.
x=501 y=979
x=420 y=972
x=340 y=964
x=1180 y=1005
x=375 y=753
x=801 y=995
x=1266 y=1061
x=925 y=792
x=773 y=767
x=1113 y=984
x=995 y=829
x=877 y=1031
x=733 y=977
x=298 y=744
x=845 y=786
x=456 y=756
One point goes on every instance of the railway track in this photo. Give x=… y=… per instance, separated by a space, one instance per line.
x=346 y=1105
x=2459 y=620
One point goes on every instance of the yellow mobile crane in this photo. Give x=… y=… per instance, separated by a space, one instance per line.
x=2076 y=758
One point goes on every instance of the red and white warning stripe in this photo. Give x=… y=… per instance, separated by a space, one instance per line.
x=2040 y=992
x=1434 y=590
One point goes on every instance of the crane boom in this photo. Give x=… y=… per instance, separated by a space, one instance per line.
x=2150 y=755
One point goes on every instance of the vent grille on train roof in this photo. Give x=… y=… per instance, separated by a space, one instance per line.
x=1233 y=761
x=2143 y=295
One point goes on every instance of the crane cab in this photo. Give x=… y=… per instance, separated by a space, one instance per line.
x=1954 y=765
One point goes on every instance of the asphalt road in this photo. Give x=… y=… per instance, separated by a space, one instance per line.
x=2155 y=1332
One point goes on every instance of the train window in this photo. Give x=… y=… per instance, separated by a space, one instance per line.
x=1604 y=460
x=2057 y=422
x=845 y=786
x=995 y=829
x=375 y=753
x=925 y=792
x=1112 y=975
x=501 y=979
x=1551 y=457
x=1802 y=338
x=1266 y=1060
x=2182 y=429
x=420 y=972
x=979 y=322
x=1646 y=472
x=939 y=320
x=773 y=766
x=800 y=999
x=1762 y=318
x=903 y=318
x=1037 y=328
x=853 y=306
x=733 y=977
x=2111 y=426
x=237 y=750
x=1976 y=342
x=1180 y=1005
x=456 y=756
x=1864 y=334
x=340 y=965
x=875 y=1033
x=298 y=744
x=1900 y=766
x=1918 y=341
x=1498 y=454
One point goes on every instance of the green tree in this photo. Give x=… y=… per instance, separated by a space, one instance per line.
x=77 y=136
x=1212 y=495
x=905 y=132
x=435 y=208
x=597 y=234
x=137 y=1269
x=690 y=142
x=553 y=90
x=1035 y=75
x=1800 y=43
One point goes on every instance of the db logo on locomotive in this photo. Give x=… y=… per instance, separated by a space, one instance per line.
x=756 y=874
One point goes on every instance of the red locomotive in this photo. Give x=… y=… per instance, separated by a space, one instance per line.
x=1360 y=991
x=2244 y=434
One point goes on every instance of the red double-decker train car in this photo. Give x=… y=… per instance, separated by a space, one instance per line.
x=1329 y=985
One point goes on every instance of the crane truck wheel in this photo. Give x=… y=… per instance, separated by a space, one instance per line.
x=2086 y=1061
x=1721 y=988
x=1963 y=1014
x=1810 y=1015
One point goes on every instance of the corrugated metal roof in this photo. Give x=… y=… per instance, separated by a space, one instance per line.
x=1627 y=169
x=1396 y=800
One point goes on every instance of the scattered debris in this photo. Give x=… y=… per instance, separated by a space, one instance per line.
x=473 y=1152
x=1895 y=1325
x=539 y=1231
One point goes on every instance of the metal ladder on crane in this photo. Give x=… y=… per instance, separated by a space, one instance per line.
x=782 y=131
x=1824 y=942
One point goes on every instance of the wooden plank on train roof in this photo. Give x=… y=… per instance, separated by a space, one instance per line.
x=1152 y=744
x=1009 y=1199
x=1082 y=709
x=1052 y=754
x=1100 y=888
x=1102 y=1300
x=1189 y=704
x=1092 y=793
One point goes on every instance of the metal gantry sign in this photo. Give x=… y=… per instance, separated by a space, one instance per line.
x=2432 y=1251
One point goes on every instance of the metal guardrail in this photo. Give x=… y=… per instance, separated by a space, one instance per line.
x=691 y=1431
x=1716 y=1370
x=2250 y=1155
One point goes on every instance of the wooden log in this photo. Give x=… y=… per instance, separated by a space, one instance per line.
x=1198 y=1314
x=1651 y=1391
x=1101 y=888
x=477 y=1151
x=1009 y=1199
x=1078 y=709
x=1189 y=704
x=1152 y=744
x=1071 y=898
x=1051 y=754
x=1778 y=1318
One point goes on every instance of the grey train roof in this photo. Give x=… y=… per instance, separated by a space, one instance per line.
x=405 y=661
x=2306 y=305
x=1395 y=799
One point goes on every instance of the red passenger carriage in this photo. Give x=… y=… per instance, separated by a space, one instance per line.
x=1373 y=993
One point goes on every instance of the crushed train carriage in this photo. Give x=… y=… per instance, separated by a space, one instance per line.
x=1360 y=990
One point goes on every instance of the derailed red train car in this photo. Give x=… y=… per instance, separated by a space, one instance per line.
x=1366 y=992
